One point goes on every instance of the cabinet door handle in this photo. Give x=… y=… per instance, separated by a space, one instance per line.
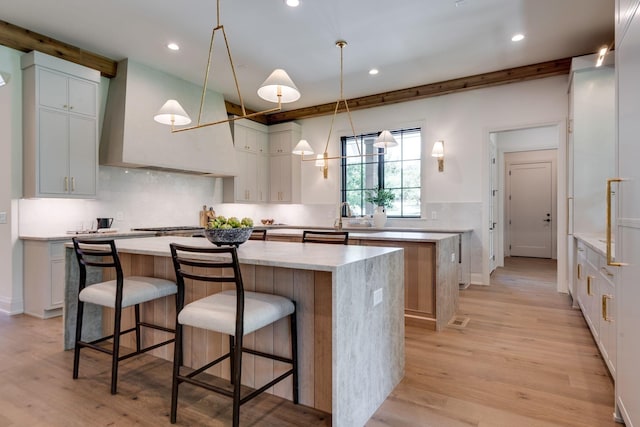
x=579 y=271
x=589 y=279
x=608 y=234
x=73 y=184
x=607 y=272
x=66 y=184
x=605 y=307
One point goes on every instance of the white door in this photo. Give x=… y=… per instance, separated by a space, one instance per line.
x=493 y=209
x=627 y=241
x=530 y=207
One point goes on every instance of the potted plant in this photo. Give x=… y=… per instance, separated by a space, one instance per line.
x=382 y=199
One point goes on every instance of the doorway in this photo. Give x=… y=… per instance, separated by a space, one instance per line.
x=528 y=209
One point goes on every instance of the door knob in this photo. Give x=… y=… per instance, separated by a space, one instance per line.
x=547 y=220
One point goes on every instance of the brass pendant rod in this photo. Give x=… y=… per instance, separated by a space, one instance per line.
x=327 y=157
x=341 y=44
x=235 y=80
x=230 y=119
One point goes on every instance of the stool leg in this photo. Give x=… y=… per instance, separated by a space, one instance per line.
x=231 y=359
x=76 y=351
x=116 y=350
x=294 y=353
x=138 y=340
x=237 y=380
x=177 y=362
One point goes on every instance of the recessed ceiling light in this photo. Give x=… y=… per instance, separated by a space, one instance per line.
x=292 y=3
x=517 y=38
x=173 y=46
x=373 y=71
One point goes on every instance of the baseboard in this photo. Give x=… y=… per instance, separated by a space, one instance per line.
x=10 y=306
x=476 y=279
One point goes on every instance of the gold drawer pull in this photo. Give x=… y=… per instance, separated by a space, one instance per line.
x=579 y=271
x=605 y=307
x=608 y=233
x=589 y=279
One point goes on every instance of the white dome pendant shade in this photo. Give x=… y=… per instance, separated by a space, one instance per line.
x=385 y=139
x=302 y=148
x=172 y=113
x=279 y=87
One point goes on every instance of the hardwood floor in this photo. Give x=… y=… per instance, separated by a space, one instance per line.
x=525 y=358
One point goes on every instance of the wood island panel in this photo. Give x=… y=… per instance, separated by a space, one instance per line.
x=311 y=290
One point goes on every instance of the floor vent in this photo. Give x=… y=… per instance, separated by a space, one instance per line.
x=459 y=322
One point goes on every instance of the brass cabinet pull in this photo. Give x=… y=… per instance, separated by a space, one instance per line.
x=73 y=184
x=589 y=279
x=610 y=260
x=605 y=307
x=579 y=271
x=607 y=272
x=66 y=184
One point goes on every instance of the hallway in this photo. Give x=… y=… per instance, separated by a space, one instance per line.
x=525 y=358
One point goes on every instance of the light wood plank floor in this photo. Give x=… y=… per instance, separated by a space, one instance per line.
x=525 y=358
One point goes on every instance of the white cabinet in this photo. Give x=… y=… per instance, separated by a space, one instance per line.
x=250 y=184
x=608 y=339
x=595 y=293
x=284 y=166
x=627 y=239
x=44 y=275
x=625 y=9
x=60 y=127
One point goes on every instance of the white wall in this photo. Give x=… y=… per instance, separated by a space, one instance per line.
x=10 y=182
x=464 y=121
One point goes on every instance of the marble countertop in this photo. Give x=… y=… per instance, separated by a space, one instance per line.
x=363 y=229
x=322 y=257
x=414 y=236
x=597 y=242
x=44 y=236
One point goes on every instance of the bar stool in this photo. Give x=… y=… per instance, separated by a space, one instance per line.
x=335 y=237
x=258 y=235
x=231 y=312
x=117 y=294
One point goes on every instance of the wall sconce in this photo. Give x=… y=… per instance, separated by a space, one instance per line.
x=4 y=78
x=438 y=153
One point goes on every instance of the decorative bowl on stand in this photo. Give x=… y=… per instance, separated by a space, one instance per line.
x=228 y=236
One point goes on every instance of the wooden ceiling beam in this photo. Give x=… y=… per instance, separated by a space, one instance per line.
x=236 y=110
x=494 y=78
x=26 y=40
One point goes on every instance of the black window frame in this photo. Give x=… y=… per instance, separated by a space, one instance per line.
x=380 y=167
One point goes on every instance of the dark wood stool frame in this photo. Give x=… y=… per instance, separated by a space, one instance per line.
x=333 y=237
x=94 y=257
x=235 y=344
x=258 y=235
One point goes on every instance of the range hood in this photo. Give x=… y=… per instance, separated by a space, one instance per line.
x=131 y=138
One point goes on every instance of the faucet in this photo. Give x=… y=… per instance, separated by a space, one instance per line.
x=338 y=223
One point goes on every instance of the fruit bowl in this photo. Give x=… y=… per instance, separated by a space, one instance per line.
x=228 y=236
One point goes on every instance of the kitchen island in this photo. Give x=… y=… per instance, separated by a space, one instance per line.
x=351 y=344
x=431 y=270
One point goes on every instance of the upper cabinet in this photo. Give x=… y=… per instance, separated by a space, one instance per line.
x=251 y=184
x=624 y=11
x=591 y=141
x=60 y=127
x=284 y=167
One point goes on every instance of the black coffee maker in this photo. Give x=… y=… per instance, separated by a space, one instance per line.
x=104 y=222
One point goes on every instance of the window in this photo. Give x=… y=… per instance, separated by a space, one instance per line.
x=397 y=170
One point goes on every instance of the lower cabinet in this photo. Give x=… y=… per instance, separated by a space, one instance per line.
x=44 y=270
x=595 y=292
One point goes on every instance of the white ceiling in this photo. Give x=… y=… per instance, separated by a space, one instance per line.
x=411 y=42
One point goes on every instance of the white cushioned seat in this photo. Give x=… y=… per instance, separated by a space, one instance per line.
x=136 y=290
x=217 y=312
